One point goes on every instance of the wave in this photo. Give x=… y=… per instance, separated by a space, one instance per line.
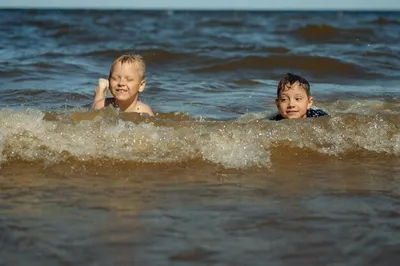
x=105 y=136
x=385 y=21
x=40 y=97
x=6 y=73
x=78 y=33
x=326 y=34
x=234 y=23
x=319 y=65
x=382 y=54
x=247 y=82
x=151 y=55
x=35 y=70
x=118 y=52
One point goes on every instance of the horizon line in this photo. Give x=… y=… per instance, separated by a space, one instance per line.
x=201 y=9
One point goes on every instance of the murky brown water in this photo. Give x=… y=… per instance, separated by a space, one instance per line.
x=305 y=211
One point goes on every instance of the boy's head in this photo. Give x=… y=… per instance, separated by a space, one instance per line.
x=131 y=59
x=293 y=96
x=127 y=77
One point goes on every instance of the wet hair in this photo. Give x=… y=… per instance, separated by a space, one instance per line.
x=289 y=80
x=131 y=59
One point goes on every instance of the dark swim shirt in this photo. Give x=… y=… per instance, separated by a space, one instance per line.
x=310 y=113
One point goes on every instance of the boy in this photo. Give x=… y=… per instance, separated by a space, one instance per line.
x=294 y=99
x=126 y=80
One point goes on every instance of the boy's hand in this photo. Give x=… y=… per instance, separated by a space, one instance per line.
x=102 y=87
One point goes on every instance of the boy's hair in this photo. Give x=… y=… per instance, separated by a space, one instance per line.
x=289 y=79
x=131 y=59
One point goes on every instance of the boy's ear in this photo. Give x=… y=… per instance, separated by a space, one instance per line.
x=142 y=85
x=277 y=102
x=310 y=102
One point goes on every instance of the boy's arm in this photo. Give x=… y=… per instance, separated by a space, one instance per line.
x=100 y=94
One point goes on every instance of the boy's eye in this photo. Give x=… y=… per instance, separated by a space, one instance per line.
x=283 y=100
x=298 y=99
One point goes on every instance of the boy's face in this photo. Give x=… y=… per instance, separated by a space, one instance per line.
x=293 y=102
x=126 y=82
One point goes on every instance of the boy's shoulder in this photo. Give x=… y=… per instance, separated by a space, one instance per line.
x=144 y=108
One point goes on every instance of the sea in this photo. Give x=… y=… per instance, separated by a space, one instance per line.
x=210 y=179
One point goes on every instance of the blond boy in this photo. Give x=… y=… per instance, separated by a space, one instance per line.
x=126 y=80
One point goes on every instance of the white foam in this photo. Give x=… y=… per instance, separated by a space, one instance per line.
x=25 y=135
